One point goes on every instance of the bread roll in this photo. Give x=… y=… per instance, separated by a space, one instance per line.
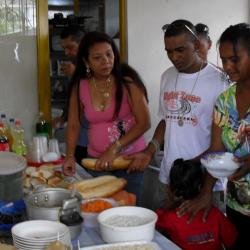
x=89 y=183
x=118 y=163
x=30 y=170
x=56 y=181
x=104 y=190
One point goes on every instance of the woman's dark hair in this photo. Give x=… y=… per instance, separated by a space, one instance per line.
x=202 y=30
x=186 y=178
x=178 y=27
x=123 y=73
x=235 y=34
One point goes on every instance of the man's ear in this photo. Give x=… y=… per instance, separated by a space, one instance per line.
x=209 y=44
x=197 y=45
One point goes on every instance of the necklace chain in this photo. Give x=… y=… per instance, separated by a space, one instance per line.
x=104 y=91
x=180 y=121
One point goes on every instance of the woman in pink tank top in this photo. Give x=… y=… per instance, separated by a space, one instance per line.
x=113 y=99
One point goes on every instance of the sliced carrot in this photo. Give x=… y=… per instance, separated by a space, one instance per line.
x=95 y=206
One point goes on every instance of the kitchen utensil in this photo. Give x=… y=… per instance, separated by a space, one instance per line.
x=126 y=245
x=127 y=223
x=90 y=219
x=38 y=234
x=11 y=172
x=220 y=164
x=48 y=203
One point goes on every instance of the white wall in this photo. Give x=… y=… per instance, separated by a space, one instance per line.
x=145 y=37
x=18 y=79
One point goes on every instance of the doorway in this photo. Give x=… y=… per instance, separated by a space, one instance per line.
x=103 y=15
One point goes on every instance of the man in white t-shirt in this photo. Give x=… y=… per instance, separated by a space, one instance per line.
x=188 y=92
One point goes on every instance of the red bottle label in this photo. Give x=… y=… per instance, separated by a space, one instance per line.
x=4 y=147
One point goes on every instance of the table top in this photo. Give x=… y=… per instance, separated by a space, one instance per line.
x=91 y=237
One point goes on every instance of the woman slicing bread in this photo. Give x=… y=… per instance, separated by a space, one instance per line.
x=113 y=98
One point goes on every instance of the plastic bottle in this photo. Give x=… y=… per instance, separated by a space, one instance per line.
x=42 y=126
x=11 y=128
x=7 y=129
x=18 y=146
x=4 y=144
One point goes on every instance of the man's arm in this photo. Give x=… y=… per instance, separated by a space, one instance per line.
x=142 y=159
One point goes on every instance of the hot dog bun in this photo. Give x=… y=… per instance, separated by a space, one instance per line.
x=103 y=190
x=93 y=182
x=118 y=163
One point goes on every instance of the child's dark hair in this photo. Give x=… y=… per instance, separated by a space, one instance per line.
x=186 y=178
x=235 y=34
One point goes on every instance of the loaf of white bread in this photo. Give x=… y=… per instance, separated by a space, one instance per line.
x=102 y=186
x=118 y=163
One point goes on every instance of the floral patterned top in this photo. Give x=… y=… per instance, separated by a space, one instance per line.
x=236 y=139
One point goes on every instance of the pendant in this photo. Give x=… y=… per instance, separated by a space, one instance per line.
x=180 y=122
x=102 y=107
x=106 y=94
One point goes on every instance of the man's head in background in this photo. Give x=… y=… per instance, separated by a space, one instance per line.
x=70 y=39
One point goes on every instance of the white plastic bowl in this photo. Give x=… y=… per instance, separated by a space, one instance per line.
x=119 y=233
x=90 y=219
x=220 y=164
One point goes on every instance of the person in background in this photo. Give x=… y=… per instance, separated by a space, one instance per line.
x=230 y=132
x=202 y=31
x=114 y=100
x=185 y=182
x=187 y=95
x=70 y=39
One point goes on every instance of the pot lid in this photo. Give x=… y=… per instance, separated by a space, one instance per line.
x=11 y=163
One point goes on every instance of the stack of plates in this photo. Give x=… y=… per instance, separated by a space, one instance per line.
x=37 y=234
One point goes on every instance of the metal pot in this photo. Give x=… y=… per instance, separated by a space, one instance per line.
x=50 y=203
x=11 y=176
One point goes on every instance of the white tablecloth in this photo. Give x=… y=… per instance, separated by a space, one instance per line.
x=91 y=237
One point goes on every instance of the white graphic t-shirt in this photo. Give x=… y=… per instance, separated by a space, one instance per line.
x=189 y=98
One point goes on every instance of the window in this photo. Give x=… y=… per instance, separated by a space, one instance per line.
x=17 y=16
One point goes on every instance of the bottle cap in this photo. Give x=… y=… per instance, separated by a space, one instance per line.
x=18 y=122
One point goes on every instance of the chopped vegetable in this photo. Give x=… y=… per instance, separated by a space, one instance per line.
x=95 y=206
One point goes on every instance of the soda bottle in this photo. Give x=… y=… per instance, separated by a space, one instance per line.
x=42 y=126
x=7 y=129
x=11 y=129
x=4 y=144
x=18 y=146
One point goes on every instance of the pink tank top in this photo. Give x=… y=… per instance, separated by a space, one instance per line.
x=102 y=129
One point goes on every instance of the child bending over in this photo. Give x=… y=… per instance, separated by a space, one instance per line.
x=186 y=179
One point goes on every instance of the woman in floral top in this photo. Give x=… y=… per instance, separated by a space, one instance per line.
x=231 y=132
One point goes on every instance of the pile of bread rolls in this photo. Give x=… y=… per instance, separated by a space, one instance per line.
x=44 y=175
x=102 y=186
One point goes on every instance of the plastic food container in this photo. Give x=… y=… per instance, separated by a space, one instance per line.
x=220 y=164
x=11 y=176
x=127 y=223
x=90 y=219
